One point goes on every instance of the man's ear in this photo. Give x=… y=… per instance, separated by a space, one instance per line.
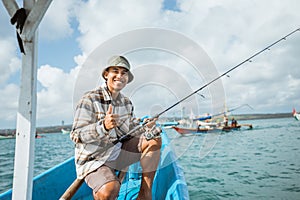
x=105 y=75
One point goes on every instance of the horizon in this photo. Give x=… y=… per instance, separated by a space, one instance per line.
x=166 y=117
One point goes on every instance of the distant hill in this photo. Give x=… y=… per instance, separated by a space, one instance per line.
x=262 y=116
x=242 y=116
x=48 y=129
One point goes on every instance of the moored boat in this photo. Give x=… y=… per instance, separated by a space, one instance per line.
x=168 y=125
x=169 y=182
x=207 y=129
x=296 y=115
x=3 y=137
x=65 y=131
x=184 y=131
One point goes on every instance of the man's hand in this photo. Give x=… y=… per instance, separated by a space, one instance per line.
x=150 y=122
x=110 y=119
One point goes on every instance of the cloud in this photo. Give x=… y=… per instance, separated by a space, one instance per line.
x=8 y=105
x=56 y=23
x=55 y=98
x=9 y=63
x=100 y=20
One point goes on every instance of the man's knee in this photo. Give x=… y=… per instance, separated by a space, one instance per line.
x=108 y=191
x=152 y=145
x=156 y=143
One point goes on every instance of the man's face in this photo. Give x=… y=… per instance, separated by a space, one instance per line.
x=117 y=78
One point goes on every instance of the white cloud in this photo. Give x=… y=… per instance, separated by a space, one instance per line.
x=100 y=20
x=229 y=31
x=56 y=23
x=8 y=105
x=9 y=63
x=55 y=99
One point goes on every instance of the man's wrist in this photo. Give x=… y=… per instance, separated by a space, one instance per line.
x=102 y=129
x=105 y=127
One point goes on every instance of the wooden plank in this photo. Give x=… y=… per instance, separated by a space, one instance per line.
x=11 y=6
x=35 y=17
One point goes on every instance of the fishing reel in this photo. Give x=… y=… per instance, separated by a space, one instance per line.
x=152 y=133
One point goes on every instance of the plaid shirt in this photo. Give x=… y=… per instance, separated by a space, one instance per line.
x=93 y=144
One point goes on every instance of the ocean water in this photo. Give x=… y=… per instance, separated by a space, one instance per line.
x=50 y=150
x=262 y=163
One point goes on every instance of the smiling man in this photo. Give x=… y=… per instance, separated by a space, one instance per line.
x=102 y=117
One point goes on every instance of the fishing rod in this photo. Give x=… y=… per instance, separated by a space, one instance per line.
x=225 y=73
x=140 y=128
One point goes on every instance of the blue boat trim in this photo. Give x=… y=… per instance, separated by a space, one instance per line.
x=169 y=182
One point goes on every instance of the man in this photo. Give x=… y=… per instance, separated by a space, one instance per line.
x=102 y=117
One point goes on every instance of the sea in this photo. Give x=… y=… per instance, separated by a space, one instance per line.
x=258 y=163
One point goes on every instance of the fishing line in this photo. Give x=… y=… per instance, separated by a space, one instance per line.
x=140 y=127
x=225 y=73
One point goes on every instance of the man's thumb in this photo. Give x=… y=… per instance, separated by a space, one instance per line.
x=110 y=109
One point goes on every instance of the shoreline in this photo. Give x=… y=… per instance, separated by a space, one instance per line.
x=57 y=129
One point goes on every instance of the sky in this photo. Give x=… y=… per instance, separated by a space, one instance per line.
x=175 y=48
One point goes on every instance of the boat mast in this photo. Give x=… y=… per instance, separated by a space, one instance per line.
x=26 y=116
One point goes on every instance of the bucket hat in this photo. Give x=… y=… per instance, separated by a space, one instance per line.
x=118 y=61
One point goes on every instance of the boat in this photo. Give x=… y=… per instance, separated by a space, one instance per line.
x=169 y=182
x=168 y=125
x=208 y=129
x=184 y=131
x=296 y=115
x=65 y=131
x=4 y=137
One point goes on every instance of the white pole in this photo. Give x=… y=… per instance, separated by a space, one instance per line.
x=26 y=119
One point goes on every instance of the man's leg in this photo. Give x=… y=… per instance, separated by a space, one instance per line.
x=149 y=162
x=104 y=183
x=148 y=153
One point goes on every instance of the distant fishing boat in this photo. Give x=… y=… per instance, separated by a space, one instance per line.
x=184 y=131
x=4 y=137
x=296 y=115
x=168 y=125
x=209 y=129
x=65 y=131
x=169 y=182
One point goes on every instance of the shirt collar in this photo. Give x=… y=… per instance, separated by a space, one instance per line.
x=107 y=95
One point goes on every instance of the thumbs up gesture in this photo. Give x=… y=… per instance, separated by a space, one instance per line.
x=110 y=120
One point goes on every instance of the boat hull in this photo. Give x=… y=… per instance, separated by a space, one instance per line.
x=296 y=115
x=4 y=137
x=185 y=131
x=63 y=131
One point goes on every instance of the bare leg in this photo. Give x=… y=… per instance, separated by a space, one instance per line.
x=109 y=191
x=149 y=162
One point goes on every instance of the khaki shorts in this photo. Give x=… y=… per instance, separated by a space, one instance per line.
x=130 y=153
